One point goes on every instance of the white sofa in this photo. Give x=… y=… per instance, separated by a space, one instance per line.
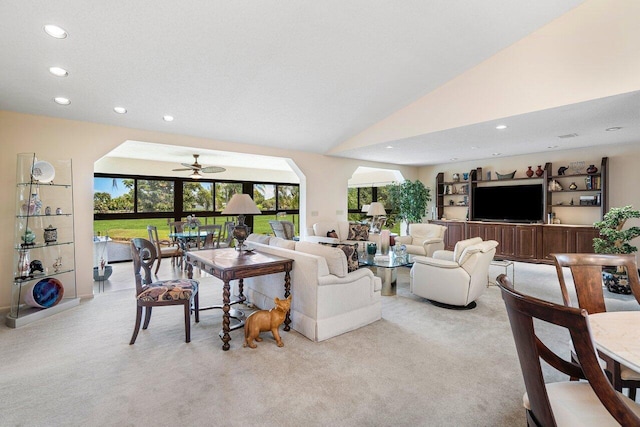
x=318 y=234
x=327 y=300
x=455 y=278
x=423 y=239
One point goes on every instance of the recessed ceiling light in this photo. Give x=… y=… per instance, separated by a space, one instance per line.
x=61 y=100
x=500 y=127
x=453 y=158
x=389 y=146
x=57 y=71
x=473 y=147
x=55 y=31
x=496 y=154
x=613 y=129
x=167 y=118
x=552 y=146
x=120 y=110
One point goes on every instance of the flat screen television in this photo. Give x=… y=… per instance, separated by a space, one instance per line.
x=509 y=203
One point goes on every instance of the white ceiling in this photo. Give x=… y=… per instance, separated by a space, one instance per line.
x=304 y=75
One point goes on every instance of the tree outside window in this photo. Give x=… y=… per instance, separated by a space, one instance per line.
x=197 y=196
x=155 y=195
x=288 y=197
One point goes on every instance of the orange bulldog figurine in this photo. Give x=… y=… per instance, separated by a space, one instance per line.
x=266 y=320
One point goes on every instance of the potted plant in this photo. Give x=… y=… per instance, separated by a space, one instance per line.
x=614 y=240
x=409 y=199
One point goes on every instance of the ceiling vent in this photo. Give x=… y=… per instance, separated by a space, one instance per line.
x=569 y=135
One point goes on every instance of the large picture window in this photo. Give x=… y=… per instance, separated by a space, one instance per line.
x=197 y=196
x=288 y=197
x=112 y=195
x=154 y=195
x=224 y=192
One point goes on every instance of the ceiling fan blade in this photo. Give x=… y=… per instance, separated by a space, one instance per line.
x=191 y=166
x=212 y=169
x=182 y=169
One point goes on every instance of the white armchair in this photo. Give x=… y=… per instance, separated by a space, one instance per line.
x=423 y=239
x=454 y=282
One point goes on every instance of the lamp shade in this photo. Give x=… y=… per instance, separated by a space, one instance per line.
x=241 y=204
x=376 y=209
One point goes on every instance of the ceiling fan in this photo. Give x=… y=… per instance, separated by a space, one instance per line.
x=197 y=168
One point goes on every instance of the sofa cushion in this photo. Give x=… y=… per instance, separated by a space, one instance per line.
x=358 y=232
x=279 y=242
x=336 y=261
x=350 y=251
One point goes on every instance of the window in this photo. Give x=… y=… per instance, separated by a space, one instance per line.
x=197 y=196
x=264 y=195
x=288 y=197
x=154 y=195
x=223 y=193
x=112 y=195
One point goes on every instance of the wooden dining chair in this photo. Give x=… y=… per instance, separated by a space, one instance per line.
x=164 y=248
x=211 y=239
x=565 y=403
x=227 y=234
x=586 y=270
x=151 y=294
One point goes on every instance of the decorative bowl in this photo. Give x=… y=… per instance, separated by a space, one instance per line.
x=506 y=175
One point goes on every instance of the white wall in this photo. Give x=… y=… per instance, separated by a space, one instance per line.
x=323 y=179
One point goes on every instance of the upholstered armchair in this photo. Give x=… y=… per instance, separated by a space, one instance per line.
x=454 y=282
x=423 y=239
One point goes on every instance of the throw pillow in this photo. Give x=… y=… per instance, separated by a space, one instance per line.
x=359 y=232
x=332 y=233
x=350 y=251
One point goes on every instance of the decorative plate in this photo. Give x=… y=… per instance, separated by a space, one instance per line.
x=43 y=171
x=44 y=293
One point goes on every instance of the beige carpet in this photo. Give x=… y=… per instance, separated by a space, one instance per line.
x=419 y=365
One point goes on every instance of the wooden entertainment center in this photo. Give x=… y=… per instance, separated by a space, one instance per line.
x=529 y=242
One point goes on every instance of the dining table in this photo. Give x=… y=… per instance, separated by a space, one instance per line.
x=617 y=335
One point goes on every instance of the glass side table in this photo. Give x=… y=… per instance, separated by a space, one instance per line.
x=385 y=267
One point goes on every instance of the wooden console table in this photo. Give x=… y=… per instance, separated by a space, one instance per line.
x=229 y=264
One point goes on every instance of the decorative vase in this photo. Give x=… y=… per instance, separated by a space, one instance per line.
x=529 y=172
x=539 y=171
x=33 y=206
x=50 y=234
x=456 y=177
x=592 y=169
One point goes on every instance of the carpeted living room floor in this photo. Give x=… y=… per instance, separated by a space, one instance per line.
x=420 y=365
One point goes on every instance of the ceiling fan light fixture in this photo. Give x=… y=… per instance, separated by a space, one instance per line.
x=55 y=31
x=195 y=175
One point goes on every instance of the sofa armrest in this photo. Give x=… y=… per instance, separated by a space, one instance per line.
x=320 y=239
x=441 y=263
x=349 y=278
x=403 y=240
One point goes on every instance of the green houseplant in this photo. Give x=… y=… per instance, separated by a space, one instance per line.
x=409 y=199
x=614 y=240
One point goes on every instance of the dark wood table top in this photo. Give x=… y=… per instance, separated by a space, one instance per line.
x=228 y=263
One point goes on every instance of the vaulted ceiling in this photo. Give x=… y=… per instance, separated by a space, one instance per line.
x=346 y=78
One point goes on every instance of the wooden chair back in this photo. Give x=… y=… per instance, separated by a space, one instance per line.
x=143 y=254
x=586 y=270
x=522 y=310
x=212 y=238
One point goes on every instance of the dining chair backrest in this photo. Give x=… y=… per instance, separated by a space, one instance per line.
x=228 y=232
x=143 y=254
x=282 y=229
x=212 y=237
x=586 y=270
x=522 y=310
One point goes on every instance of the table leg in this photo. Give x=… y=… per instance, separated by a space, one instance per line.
x=189 y=268
x=241 y=290
x=287 y=292
x=226 y=321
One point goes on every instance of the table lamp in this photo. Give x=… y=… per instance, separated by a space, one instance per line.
x=376 y=209
x=241 y=205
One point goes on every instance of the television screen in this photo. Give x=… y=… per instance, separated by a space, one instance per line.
x=511 y=203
